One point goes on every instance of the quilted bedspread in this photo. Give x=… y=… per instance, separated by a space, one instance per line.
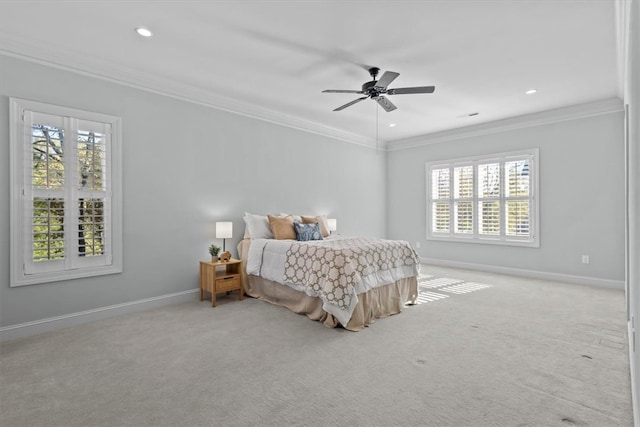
x=339 y=268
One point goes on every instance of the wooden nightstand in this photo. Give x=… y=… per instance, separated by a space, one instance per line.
x=218 y=277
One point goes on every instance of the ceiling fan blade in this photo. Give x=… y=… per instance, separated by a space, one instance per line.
x=341 y=91
x=386 y=78
x=349 y=104
x=385 y=103
x=406 y=90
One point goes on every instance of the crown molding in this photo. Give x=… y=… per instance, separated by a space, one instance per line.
x=605 y=106
x=65 y=58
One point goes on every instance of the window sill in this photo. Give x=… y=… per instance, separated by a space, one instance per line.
x=57 y=276
x=487 y=241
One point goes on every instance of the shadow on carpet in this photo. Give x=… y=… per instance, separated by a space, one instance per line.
x=445 y=286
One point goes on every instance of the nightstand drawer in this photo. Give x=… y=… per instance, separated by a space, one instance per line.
x=229 y=283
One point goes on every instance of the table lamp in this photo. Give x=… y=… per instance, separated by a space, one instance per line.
x=224 y=230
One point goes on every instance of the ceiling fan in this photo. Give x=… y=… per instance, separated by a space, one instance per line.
x=376 y=89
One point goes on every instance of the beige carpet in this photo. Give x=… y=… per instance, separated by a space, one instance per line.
x=516 y=352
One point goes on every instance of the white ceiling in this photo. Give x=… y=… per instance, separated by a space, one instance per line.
x=272 y=59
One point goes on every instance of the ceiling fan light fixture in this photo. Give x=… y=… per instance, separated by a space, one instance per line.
x=144 y=32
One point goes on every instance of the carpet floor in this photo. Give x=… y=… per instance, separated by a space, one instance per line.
x=478 y=350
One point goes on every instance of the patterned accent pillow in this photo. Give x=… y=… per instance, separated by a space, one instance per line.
x=305 y=232
x=320 y=219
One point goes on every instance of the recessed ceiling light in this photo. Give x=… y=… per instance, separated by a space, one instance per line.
x=531 y=91
x=144 y=32
x=392 y=125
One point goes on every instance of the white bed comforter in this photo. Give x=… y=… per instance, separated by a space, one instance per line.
x=336 y=269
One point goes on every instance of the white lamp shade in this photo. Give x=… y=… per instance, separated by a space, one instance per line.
x=332 y=223
x=224 y=230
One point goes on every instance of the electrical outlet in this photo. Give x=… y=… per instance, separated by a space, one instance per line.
x=418 y=245
x=585 y=259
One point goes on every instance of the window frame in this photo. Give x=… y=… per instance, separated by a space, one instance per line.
x=475 y=237
x=23 y=270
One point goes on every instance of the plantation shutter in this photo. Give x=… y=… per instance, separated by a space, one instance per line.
x=488 y=199
x=44 y=198
x=441 y=196
x=66 y=193
x=517 y=197
x=91 y=192
x=463 y=199
x=489 y=192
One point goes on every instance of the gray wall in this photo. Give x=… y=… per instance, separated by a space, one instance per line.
x=185 y=166
x=581 y=198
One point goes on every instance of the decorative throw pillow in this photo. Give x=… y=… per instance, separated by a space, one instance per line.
x=282 y=228
x=296 y=218
x=257 y=226
x=321 y=220
x=305 y=232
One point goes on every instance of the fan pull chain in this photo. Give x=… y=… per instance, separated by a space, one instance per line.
x=377 y=128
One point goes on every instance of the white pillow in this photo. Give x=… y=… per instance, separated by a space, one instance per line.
x=323 y=218
x=257 y=226
x=296 y=218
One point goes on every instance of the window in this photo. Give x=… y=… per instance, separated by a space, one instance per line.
x=65 y=193
x=490 y=199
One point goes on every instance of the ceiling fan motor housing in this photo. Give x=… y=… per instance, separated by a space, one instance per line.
x=369 y=88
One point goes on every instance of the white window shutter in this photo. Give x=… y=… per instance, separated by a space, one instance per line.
x=486 y=199
x=61 y=179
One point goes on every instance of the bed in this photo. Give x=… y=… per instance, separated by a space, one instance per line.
x=337 y=280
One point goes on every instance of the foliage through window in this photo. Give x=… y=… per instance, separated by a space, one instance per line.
x=65 y=193
x=491 y=199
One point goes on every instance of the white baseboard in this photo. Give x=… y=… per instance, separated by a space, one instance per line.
x=557 y=277
x=23 y=330
x=27 y=329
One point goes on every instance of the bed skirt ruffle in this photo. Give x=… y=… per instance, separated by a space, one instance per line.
x=376 y=303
